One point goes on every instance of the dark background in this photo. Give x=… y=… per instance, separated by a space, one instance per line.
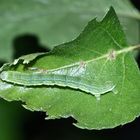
x=33 y=126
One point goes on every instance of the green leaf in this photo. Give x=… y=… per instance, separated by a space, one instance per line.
x=102 y=48
x=55 y=22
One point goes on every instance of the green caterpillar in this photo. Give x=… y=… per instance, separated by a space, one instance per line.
x=73 y=77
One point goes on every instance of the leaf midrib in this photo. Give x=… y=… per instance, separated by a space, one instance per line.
x=107 y=55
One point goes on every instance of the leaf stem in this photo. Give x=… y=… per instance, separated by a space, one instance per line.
x=128 y=49
x=107 y=55
x=113 y=53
